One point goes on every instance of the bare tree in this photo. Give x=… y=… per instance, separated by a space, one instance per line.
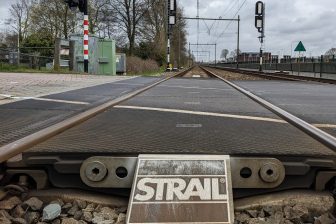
x=225 y=53
x=53 y=17
x=154 y=22
x=331 y=52
x=234 y=53
x=20 y=17
x=129 y=15
x=100 y=17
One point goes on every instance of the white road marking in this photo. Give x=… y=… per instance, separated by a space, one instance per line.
x=43 y=99
x=128 y=84
x=192 y=103
x=325 y=125
x=196 y=87
x=203 y=113
x=219 y=115
x=189 y=125
x=62 y=101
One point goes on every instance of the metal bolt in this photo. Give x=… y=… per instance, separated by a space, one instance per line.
x=269 y=172
x=23 y=181
x=95 y=171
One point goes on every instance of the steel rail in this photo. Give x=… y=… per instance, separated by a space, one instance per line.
x=15 y=148
x=279 y=76
x=264 y=75
x=316 y=133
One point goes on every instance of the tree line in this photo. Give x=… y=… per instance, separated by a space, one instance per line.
x=138 y=26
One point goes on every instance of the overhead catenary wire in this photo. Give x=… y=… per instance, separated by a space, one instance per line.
x=221 y=35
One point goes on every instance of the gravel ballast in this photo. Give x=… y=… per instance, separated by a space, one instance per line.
x=32 y=210
x=14 y=210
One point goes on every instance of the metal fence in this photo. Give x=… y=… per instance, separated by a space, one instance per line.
x=317 y=69
x=28 y=57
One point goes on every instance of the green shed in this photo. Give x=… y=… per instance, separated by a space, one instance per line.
x=107 y=57
x=102 y=55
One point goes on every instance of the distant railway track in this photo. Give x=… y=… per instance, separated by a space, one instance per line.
x=276 y=76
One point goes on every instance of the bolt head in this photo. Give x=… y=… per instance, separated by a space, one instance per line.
x=270 y=172
x=96 y=171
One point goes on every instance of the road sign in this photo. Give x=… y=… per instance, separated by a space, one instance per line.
x=300 y=47
x=181 y=189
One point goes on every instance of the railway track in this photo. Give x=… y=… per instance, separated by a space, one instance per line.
x=277 y=75
x=253 y=173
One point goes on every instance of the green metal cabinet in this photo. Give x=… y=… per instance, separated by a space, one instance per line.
x=102 y=55
x=107 y=57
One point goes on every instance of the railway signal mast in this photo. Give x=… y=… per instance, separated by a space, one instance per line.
x=82 y=5
x=260 y=25
x=172 y=7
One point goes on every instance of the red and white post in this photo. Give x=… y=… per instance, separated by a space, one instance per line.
x=86 y=37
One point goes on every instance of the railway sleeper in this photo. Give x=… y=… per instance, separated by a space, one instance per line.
x=114 y=175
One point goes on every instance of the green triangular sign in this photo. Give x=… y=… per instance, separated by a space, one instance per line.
x=300 y=47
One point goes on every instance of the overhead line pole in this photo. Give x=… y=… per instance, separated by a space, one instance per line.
x=197 y=17
x=190 y=63
x=216 y=19
x=209 y=53
x=215 y=54
x=238 y=39
x=208 y=45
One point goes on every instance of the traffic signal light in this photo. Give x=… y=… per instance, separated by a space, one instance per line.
x=260 y=16
x=172 y=12
x=74 y=4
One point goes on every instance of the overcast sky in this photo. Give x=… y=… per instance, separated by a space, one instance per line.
x=287 y=22
x=4 y=5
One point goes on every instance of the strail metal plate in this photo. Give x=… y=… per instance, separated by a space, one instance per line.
x=181 y=189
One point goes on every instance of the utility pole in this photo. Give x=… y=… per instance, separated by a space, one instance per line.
x=208 y=54
x=215 y=45
x=198 y=25
x=210 y=19
x=215 y=54
x=238 y=39
x=190 y=63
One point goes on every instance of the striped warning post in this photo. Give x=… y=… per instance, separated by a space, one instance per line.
x=86 y=43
